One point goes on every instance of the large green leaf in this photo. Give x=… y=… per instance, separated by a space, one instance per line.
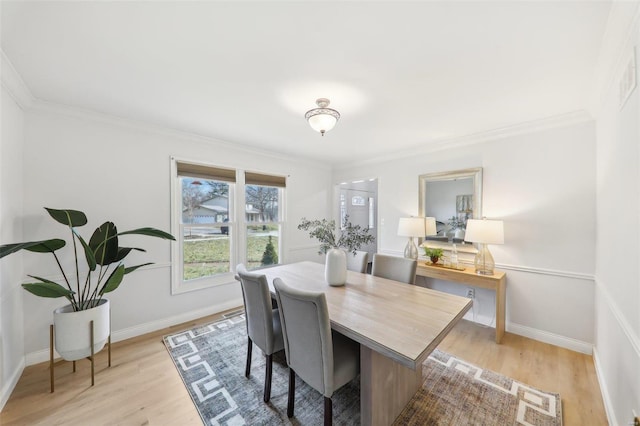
x=133 y=268
x=124 y=251
x=48 y=246
x=151 y=232
x=114 y=280
x=88 y=253
x=104 y=243
x=44 y=246
x=47 y=289
x=68 y=217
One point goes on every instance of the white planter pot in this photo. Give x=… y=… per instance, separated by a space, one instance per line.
x=73 y=332
x=335 y=268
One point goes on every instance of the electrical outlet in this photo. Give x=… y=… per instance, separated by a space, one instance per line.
x=471 y=293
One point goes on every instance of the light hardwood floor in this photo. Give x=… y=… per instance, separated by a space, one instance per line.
x=143 y=387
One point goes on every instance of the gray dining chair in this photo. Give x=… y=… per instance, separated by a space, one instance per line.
x=358 y=263
x=263 y=322
x=394 y=268
x=324 y=359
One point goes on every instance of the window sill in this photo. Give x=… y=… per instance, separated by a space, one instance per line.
x=203 y=283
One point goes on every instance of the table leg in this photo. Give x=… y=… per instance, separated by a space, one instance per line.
x=385 y=387
x=501 y=300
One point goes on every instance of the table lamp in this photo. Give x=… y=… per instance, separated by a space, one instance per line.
x=430 y=226
x=411 y=227
x=485 y=232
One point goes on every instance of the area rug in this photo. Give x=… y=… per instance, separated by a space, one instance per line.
x=211 y=361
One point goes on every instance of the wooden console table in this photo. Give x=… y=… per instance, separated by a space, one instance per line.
x=496 y=282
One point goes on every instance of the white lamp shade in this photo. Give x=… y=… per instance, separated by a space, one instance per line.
x=411 y=227
x=430 y=226
x=322 y=122
x=484 y=231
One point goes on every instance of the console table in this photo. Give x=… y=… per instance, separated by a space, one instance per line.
x=496 y=282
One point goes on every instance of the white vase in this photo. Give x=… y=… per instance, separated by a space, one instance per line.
x=335 y=268
x=73 y=334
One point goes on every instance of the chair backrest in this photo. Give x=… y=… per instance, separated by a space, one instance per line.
x=394 y=268
x=307 y=335
x=358 y=263
x=257 y=306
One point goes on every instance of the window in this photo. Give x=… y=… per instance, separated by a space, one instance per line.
x=205 y=227
x=208 y=204
x=263 y=218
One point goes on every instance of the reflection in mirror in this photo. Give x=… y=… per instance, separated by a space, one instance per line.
x=452 y=198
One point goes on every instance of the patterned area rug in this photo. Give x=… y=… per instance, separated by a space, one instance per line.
x=211 y=361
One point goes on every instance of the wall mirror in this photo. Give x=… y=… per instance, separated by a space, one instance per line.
x=451 y=197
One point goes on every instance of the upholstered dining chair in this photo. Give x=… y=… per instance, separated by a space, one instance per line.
x=324 y=359
x=358 y=263
x=394 y=268
x=263 y=322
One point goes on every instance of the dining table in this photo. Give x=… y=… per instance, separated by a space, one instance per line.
x=396 y=324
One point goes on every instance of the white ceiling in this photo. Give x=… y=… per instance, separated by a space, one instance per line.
x=401 y=74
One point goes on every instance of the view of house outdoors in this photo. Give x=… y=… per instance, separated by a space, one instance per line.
x=208 y=229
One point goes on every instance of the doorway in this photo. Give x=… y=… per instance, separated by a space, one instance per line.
x=359 y=201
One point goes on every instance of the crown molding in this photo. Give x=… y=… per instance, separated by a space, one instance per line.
x=19 y=91
x=91 y=115
x=561 y=120
x=14 y=84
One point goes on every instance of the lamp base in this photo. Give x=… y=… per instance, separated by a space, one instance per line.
x=411 y=251
x=484 y=262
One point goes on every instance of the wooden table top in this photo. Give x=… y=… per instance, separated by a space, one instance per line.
x=401 y=321
x=468 y=275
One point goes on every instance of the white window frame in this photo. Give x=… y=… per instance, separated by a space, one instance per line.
x=237 y=229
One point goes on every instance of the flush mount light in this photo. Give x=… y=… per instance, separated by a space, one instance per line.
x=322 y=119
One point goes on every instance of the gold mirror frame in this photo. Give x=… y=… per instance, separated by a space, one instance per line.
x=423 y=198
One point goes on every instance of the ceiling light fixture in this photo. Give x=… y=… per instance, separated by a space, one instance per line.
x=322 y=119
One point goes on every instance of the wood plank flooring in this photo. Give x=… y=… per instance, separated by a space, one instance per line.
x=142 y=387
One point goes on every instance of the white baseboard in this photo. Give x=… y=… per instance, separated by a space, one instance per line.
x=604 y=390
x=9 y=385
x=138 y=330
x=551 y=338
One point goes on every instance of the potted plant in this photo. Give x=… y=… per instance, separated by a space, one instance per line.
x=433 y=253
x=84 y=287
x=350 y=239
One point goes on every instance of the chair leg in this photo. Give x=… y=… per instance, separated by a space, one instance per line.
x=292 y=391
x=267 y=377
x=247 y=370
x=328 y=412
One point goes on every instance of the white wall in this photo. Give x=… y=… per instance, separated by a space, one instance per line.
x=542 y=184
x=118 y=171
x=617 y=295
x=11 y=190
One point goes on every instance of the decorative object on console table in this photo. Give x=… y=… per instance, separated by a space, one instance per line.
x=411 y=227
x=433 y=253
x=415 y=227
x=430 y=227
x=352 y=237
x=484 y=232
x=88 y=333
